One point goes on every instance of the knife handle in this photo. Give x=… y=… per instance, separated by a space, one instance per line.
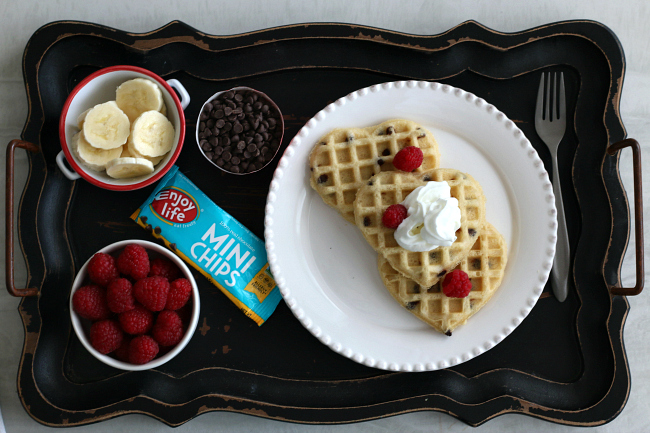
x=638 y=216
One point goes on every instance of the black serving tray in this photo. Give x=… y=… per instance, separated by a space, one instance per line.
x=565 y=363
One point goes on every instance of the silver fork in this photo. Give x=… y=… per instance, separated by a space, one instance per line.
x=550 y=124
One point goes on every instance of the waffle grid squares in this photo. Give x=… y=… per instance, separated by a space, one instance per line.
x=345 y=159
x=393 y=187
x=434 y=307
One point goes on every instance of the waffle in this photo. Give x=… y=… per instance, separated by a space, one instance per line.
x=485 y=265
x=389 y=188
x=344 y=159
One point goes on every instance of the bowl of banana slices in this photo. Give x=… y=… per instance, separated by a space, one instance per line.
x=122 y=128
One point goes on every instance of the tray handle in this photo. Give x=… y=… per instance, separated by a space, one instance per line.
x=9 y=219
x=638 y=216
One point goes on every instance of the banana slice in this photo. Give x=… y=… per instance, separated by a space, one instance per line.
x=152 y=134
x=132 y=151
x=91 y=157
x=136 y=96
x=121 y=168
x=106 y=126
x=81 y=118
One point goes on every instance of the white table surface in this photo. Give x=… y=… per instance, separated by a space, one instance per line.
x=628 y=19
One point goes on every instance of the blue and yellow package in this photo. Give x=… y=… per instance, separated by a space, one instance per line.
x=213 y=242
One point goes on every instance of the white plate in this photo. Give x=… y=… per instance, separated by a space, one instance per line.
x=326 y=271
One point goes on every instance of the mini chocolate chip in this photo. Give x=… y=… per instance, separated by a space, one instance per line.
x=422 y=136
x=350 y=138
x=471 y=232
x=411 y=305
x=448 y=333
x=234 y=169
x=366 y=221
x=321 y=179
x=172 y=246
x=426 y=178
x=157 y=230
x=235 y=160
x=386 y=152
x=143 y=219
x=370 y=183
x=148 y=227
x=220 y=123
x=323 y=143
x=226 y=156
x=380 y=161
x=390 y=130
x=442 y=273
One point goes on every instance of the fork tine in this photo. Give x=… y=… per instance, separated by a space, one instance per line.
x=540 y=98
x=548 y=111
x=562 y=98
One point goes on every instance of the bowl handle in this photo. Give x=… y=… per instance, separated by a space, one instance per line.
x=9 y=219
x=638 y=216
x=60 y=161
x=182 y=93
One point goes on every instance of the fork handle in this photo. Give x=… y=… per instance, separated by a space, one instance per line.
x=560 y=271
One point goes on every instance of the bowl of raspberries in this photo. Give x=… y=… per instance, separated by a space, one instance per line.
x=134 y=305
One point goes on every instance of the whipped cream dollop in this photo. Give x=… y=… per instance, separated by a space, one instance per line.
x=432 y=219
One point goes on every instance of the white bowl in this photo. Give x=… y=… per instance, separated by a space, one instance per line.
x=82 y=326
x=100 y=87
x=280 y=126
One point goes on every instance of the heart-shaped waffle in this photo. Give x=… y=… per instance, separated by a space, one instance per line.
x=344 y=159
x=485 y=265
x=388 y=188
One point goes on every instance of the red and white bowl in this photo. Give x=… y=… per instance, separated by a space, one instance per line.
x=100 y=87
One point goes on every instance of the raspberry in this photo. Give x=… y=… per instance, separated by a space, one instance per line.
x=408 y=159
x=133 y=261
x=457 y=284
x=152 y=292
x=105 y=336
x=394 y=215
x=102 y=269
x=90 y=303
x=180 y=291
x=119 y=295
x=137 y=321
x=142 y=350
x=122 y=352
x=161 y=267
x=168 y=329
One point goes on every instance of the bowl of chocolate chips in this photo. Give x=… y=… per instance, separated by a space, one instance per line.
x=240 y=130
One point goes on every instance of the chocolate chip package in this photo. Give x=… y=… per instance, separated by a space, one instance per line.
x=213 y=242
